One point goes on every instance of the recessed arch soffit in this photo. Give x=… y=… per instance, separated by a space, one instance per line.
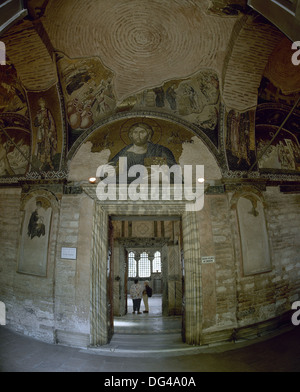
x=252 y=43
x=27 y=52
x=251 y=193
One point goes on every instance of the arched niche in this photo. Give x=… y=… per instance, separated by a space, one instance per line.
x=253 y=234
x=99 y=146
x=39 y=210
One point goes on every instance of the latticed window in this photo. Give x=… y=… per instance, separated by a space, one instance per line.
x=156 y=265
x=131 y=265
x=144 y=266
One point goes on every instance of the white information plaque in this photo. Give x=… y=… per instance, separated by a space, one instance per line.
x=208 y=259
x=69 y=253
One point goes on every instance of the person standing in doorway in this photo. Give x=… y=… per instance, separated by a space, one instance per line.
x=136 y=295
x=146 y=294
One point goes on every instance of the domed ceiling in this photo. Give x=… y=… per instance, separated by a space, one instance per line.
x=199 y=63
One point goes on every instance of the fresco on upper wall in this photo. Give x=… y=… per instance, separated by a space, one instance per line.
x=89 y=97
x=88 y=93
x=278 y=92
x=284 y=152
x=269 y=93
x=273 y=108
x=227 y=8
x=142 y=148
x=240 y=140
x=12 y=95
x=47 y=130
x=195 y=99
x=143 y=141
x=15 y=140
x=15 y=135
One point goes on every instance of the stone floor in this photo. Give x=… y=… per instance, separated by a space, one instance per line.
x=150 y=343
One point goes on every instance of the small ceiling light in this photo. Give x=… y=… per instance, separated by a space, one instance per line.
x=92 y=180
x=201 y=180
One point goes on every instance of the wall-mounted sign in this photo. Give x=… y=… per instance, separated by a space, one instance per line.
x=69 y=253
x=208 y=259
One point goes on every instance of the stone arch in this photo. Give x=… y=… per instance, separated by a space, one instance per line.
x=40 y=193
x=250 y=192
x=251 y=44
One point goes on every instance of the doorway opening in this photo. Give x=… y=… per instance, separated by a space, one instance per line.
x=146 y=267
x=147 y=249
x=102 y=306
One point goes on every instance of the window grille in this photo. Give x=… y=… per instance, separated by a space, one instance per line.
x=144 y=266
x=131 y=266
x=156 y=265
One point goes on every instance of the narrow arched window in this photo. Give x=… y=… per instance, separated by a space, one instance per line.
x=144 y=266
x=156 y=265
x=131 y=265
x=254 y=238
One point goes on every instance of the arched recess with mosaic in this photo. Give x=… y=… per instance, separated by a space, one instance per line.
x=169 y=142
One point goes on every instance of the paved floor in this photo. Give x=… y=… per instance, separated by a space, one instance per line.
x=279 y=353
x=23 y=354
x=151 y=323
